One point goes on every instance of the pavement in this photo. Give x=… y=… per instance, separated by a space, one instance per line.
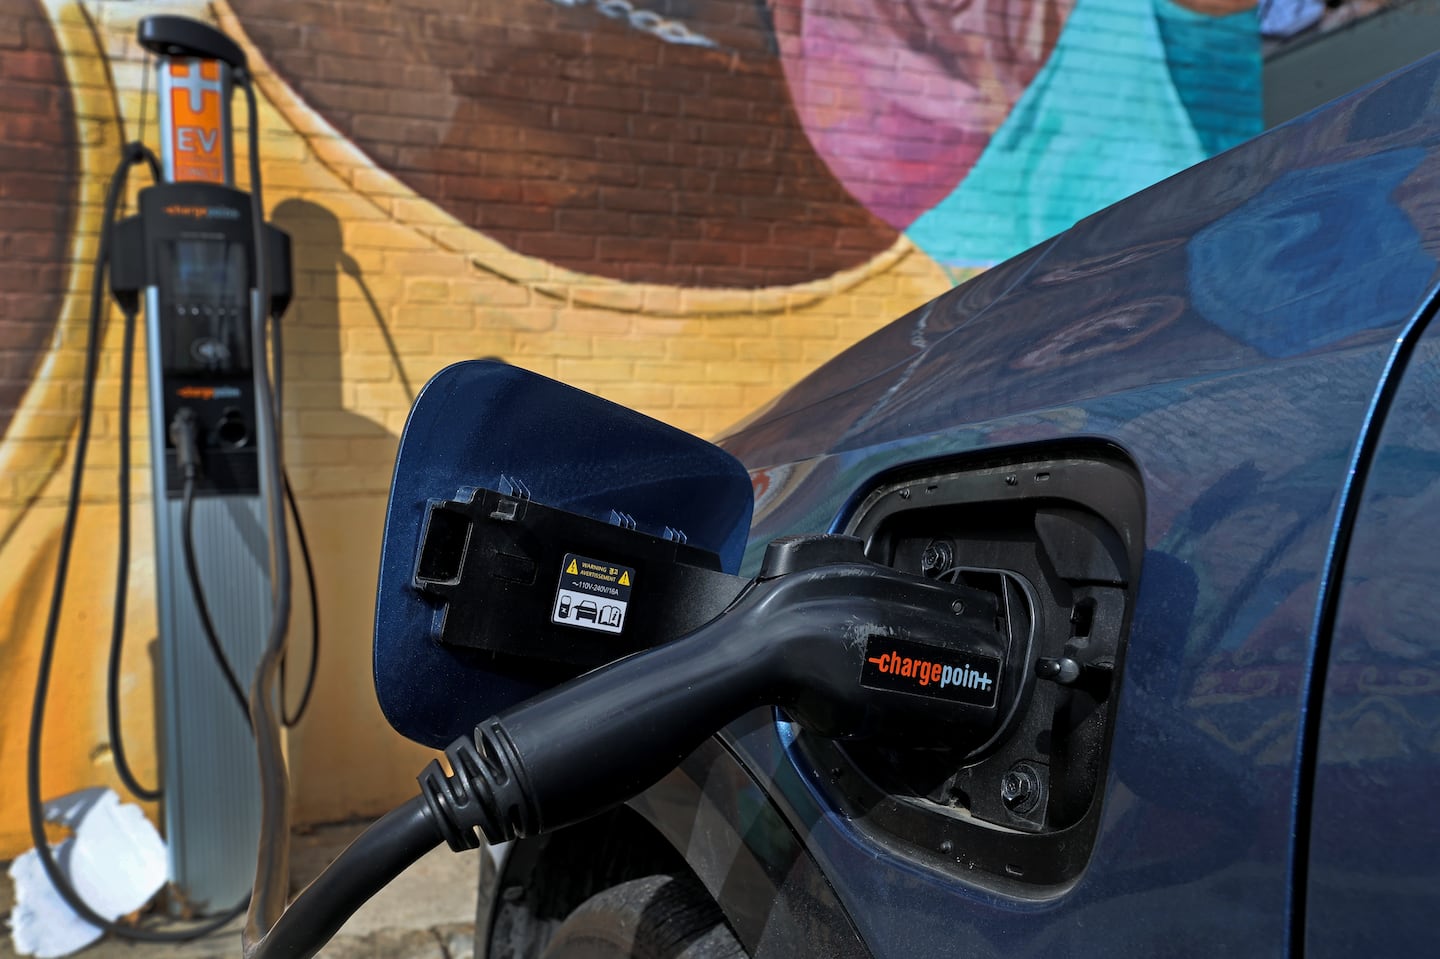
x=427 y=913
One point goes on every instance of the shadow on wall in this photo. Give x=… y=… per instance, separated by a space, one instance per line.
x=337 y=349
x=330 y=448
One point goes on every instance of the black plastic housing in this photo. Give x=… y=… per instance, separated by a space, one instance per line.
x=496 y=565
x=805 y=640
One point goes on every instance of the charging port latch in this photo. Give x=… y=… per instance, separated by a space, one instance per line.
x=517 y=577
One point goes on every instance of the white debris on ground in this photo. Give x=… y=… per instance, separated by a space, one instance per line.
x=115 y=860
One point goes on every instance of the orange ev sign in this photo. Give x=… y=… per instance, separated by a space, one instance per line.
x=195 y=121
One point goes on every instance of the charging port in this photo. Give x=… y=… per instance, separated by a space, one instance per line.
x=232 y=430
x=1056 y=540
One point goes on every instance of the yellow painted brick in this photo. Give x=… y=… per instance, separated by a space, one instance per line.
x=437 y=263
x=395 y=420
x=663 y=326
x=688 y=420
x=714 y=422
x=433 y=317
x=739 y=372
x=667 y=372
x=373 y=283
x=619 y=297
x=712 y=302
x=701 y=395
x=660 y=299
x=374 y=398
x=808 y=328
x=310 y=336
x=818 y=351
x=554 y=346
x=495 y=292
x=319 y=394
x=427 y=290
x=316 y=451
x=321 y=423
x=281 y=177
x=578 y=371
x=383 y=236
x=629 y=347
x=756 y=395
x=645 y=397
x=368 y=368
x=283 y=146
x=373 y=450
x=544 y=365
x=769 y=349
x=372 y=181
x=597 y=322
x=410 y=209
x=699 y=348
x=533 y=320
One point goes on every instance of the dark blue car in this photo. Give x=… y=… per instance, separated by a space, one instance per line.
x=1191 y=447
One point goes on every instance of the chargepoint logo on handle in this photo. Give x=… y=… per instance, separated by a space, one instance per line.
x=933 y=671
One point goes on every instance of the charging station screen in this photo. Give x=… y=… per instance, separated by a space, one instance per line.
x=205 y=306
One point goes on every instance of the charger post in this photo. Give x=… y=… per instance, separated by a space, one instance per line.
x=189 y=257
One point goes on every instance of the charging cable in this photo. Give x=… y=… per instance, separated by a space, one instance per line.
x=814 y=634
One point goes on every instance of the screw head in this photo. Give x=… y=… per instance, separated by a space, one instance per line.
x=1020 y=788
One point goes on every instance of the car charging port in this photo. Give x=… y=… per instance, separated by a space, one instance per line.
x=1055 y=541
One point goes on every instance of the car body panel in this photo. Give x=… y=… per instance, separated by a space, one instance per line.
x=1228 y=330
x=1374 y=851
x=486 y=424
x=713 y=810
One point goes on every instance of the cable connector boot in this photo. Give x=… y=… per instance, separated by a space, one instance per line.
x=484 y=791
x=184 y=434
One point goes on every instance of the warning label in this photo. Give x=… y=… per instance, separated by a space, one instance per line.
x=592 y=594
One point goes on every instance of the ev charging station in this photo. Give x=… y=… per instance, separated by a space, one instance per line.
x=190 y=257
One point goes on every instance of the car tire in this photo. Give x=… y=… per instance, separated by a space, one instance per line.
x=656 y=917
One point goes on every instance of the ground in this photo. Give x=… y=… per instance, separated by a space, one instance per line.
x=428 y=913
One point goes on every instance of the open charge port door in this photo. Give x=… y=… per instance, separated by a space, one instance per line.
x=1058 y=540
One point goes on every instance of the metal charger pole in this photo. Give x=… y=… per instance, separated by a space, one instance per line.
x=190 y=255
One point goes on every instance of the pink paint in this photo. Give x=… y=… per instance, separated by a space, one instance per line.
x=901 y=96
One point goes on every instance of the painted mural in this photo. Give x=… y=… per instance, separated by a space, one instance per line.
x=682 y=205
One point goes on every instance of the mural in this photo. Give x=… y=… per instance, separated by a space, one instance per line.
x=682 y=205
x=37 y=180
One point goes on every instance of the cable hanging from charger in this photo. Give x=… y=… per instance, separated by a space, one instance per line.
x=132 y=154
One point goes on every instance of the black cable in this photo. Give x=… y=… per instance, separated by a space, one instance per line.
x=291 y=721
x=35 y=805
x=197 y=593
x=272 y=862
x=122 y=578
x=387 y=848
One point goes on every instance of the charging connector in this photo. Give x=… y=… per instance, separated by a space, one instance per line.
x=846 y=647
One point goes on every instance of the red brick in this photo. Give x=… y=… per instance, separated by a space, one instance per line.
x=591 y=221
x=709 y=252
x=514 y=217
x=632 y=249
x=635 y=200
x=592 y=121
x=678 y=227
x=558 y=247
x=555 y=193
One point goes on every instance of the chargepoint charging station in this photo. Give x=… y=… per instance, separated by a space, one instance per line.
x=190 y=258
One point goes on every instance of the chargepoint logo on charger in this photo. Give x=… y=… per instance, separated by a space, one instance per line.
x=939 y=673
